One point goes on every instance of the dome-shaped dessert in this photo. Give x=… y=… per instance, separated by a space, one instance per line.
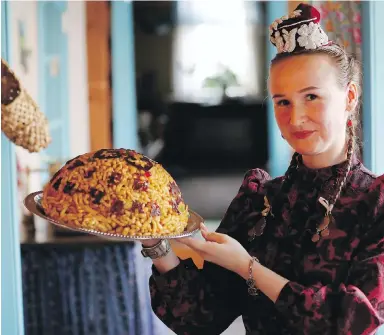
x=116 y=191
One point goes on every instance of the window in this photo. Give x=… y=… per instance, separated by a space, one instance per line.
x=217 y=48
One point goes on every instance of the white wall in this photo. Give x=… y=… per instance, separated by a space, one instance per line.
x=26 y=12
x=75 y=26
x=74 y=23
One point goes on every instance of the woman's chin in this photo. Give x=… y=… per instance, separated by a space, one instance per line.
x=305 y=148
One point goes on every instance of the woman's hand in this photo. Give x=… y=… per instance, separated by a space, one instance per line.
x=220 y=249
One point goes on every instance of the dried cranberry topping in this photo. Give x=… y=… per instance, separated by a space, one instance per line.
x=174 y=189
x=89 y=173
x=175 y=206
x=76 y=164
x=57 y=183
x=117 y=207
x=139 y=161
x=97 y=195
x=155 y=209
x=178 y=200
x=108 y=153
x=68 y=188
x=137 y=205
x=115 y=178
x=71 y=160
x=55 y=175
x=140 y=185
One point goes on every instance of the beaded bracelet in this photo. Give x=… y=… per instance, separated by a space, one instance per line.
x=252 y=289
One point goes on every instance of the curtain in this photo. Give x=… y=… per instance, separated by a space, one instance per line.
x=87 y=289
x=342 y=22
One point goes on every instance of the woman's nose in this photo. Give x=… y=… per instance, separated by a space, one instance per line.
x=298 y=115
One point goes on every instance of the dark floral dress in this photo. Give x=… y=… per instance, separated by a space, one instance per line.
x=336 y=285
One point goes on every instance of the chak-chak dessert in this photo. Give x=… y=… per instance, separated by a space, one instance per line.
x=116 y=191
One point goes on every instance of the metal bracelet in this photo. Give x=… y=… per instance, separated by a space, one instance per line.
x=252 y=289
x=159 y=250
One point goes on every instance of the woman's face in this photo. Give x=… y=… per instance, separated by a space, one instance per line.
x=310 y=105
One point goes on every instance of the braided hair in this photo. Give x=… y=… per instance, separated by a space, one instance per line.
x=290 y=173
x=340 y=182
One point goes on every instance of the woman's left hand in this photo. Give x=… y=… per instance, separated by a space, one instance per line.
x=220 y=249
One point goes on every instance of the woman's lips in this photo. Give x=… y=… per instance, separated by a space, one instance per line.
x=303 y=134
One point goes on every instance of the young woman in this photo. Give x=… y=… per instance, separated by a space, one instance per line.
x=300 y=254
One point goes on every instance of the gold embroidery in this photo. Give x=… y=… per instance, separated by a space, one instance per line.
x=323 y=229
x=267 y=209
x=259 y=227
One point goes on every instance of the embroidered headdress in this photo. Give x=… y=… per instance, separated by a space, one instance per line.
x=298 y=31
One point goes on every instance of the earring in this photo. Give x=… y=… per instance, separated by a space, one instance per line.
x=282 y=136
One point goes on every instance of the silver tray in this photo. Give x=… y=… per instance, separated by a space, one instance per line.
x=33 y=203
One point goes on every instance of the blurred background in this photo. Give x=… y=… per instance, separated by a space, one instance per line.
x=183 y=82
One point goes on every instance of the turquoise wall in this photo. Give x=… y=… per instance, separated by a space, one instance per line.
x=373 y=70
x=11 y=289
x=123 y=76
x=279 y=150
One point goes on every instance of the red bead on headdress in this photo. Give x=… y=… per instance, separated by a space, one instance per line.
x=298 y=31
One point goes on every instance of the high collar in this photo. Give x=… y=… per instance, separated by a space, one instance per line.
x=319 y=178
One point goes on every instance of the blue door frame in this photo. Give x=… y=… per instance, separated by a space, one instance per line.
x=373 y=69
x=124 y=108
x=53 y=76
x=11 y=288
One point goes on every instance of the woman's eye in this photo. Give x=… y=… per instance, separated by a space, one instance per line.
x=310 y=97
x=283 y=103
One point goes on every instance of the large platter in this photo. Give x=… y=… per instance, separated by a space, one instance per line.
x=33 y=203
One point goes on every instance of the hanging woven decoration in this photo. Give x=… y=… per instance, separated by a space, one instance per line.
x=21 y=119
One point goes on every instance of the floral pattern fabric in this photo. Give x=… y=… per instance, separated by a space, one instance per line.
x=336 y=285
x=342 y=22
